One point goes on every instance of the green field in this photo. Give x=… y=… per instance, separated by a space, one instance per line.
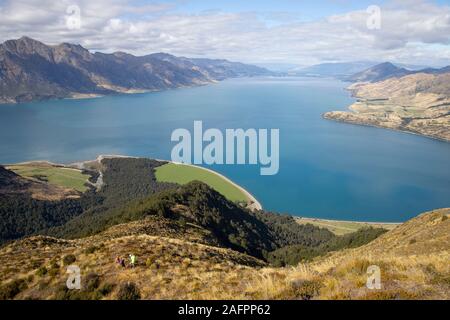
x=63 y=177
x=182 y=174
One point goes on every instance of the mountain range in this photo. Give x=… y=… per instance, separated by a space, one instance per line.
x=339 y=70
x=345 y=70
x=31 y=70
x=388 y=70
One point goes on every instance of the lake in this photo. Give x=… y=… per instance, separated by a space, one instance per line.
x=327 y=169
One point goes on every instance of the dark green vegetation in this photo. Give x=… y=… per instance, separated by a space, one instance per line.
x=22 y=215
x=13 y=288
x=91 y=290
x=128 y=291
x=293 y=254
x=130 y=192
x=126 y=181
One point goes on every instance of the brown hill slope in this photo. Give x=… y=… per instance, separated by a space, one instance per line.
x=32 y=70
x=413 y=259
x=166 y=268
x=417 y=103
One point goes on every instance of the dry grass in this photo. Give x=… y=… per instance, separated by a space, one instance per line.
x=175 y=268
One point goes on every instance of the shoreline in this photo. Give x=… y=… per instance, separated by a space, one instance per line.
x=348 y=221
x=358 y=123
x=78 y=96
x=349 y=110
x=342 y=227
x=255 y=204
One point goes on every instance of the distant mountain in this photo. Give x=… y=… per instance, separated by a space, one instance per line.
x=220 y=69
x=379 y=72
x=280 y=67
x=388 y=70
x=31 y=70
x=337 y=70
x=412 y=67
x=346 y=70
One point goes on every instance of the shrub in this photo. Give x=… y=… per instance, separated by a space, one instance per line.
x=92 y=282
x=65 y=294
x=69 y=259
x=12 y=289
x=90 y=250
x=106 y=289
x=34 y=264
x=43 y=285
x=53 y=272
x=392 y=295
x=306 y=289
x=54 y=264
x=42 y=271
x=128 y=291
x=149 y=262
x=359 y=266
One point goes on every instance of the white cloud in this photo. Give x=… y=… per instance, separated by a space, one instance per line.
x=412 y=31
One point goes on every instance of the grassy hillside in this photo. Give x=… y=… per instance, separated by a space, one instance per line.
x=182 y=268
x=182 y=174
x=59 y=176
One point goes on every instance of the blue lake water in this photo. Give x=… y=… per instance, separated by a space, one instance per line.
x=327 y=169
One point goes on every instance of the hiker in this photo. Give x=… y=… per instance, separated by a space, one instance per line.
x=120 y=261
x=132 y=260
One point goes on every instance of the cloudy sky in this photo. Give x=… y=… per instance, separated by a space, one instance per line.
x=256 y=31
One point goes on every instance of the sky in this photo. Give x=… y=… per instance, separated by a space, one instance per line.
x=253 y=31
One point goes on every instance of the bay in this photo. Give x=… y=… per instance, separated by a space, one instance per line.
x=327 y=169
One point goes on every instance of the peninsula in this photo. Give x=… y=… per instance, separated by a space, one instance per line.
x=417 y=103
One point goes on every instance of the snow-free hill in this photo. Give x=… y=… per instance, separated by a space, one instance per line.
x=387 y=70
x=32 y=70
x=413 y=259
x=379 y=72
x=417 y=103
x=425 y=235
